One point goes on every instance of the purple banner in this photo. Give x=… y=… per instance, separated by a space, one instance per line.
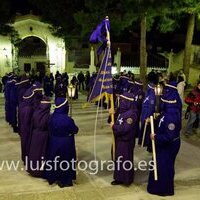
x=103 y=85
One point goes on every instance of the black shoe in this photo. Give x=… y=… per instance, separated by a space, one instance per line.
x=15 y=129
x=116 y=183
x=61 y=185
x=51 y=182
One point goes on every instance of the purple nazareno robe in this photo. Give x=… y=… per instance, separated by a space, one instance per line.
x=124 y=132
x=136 y=88
x=39 y=137
x=148 y=108
x=167 y=141
x=61 y=145
x=11 y=101
x=22 y=87
x=25 y=116
x=9 y=83
x=30 y=102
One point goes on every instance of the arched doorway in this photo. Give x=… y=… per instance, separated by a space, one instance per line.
x=33 y=33
x=32 y=55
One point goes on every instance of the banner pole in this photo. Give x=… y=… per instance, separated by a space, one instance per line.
x=113 y=121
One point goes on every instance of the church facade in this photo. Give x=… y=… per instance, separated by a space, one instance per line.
x=38 y=50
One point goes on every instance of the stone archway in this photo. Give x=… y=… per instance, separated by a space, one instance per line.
x=32 y=55
x=30 y=26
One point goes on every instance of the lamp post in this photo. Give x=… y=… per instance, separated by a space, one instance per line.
x=158 y=92
x=71 y=93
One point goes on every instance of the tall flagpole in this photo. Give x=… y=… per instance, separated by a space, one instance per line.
x=106 y=56
x=103 y=83
x=111 y=99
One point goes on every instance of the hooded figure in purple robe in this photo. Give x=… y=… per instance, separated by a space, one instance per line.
x=38 y=95
x=61 y=146
x=124 y=133
x=136 y=88
x=22 y=86
x=148 y=108
x=123 y=84
x=39 y=137
x=25 y=117
x=170 y=90
x=8 y=96
x=167 y=141
x=13 y=103
x=116 y=88
x=31 y=100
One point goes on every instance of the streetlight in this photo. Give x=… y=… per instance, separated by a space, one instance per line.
x=71 y=93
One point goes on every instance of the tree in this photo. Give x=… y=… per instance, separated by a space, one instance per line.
x=176 y=11
x=188 y=45
x=191 y=8
x=77 y=18
x=126 y=15
x=123 y=15
x=5 y=16
x=59 y=14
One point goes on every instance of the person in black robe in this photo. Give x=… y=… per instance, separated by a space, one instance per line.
x=91 y=83
x=124 y=134
x=4 y=81
x=47 y=86
x=81 y=80
x=75 y=83
x=167 y=142
x=51 y=77
x=87 y=79
x=61 y=146
x=60 y=88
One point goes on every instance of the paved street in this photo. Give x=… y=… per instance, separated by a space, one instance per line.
x=18 y=185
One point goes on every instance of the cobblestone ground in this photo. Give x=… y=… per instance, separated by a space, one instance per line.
x=18 y=185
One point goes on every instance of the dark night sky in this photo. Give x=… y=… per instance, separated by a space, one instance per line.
x=21 y=6
x=24 y=7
